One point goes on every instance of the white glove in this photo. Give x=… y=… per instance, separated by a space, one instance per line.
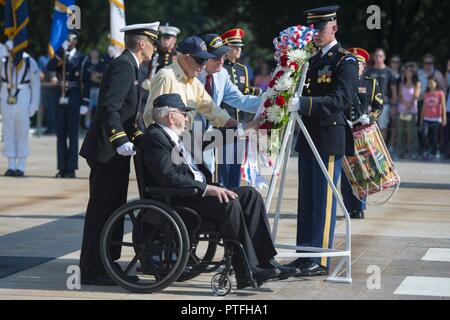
x=146 y=85
x=294 y=105
x=364 y=120
x=127 y=149
x=84 y=110
x=65 y=45
x=32 y=111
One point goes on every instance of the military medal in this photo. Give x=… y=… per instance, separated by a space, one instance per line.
x=324 y=75
x=12 y=100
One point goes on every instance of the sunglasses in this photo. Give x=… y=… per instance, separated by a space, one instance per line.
x=201 y=62
x=181 y=112
x=428 y=62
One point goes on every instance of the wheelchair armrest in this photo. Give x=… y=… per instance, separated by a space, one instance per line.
x=171 y=192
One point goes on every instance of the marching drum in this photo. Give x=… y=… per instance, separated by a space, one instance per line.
x=371 y=170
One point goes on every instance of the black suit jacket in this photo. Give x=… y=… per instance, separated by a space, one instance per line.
x=114 y=121
x=331 y=84
x=161 y=171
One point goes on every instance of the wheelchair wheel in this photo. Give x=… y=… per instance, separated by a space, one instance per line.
x=199 y=263
x=221 y=284
x=156 y=253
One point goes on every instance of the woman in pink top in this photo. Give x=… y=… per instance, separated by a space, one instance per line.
x=433 y=116
x=409 y=91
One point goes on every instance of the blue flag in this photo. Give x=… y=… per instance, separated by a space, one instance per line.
x=59 y=26
x=16 y=21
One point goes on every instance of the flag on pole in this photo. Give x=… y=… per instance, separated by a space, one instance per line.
x=16 y=21
x=117 y=20
x=59 y=26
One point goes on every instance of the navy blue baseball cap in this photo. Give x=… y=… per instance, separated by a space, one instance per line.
x=171 y=100
x=215 y=45
x=194 y=46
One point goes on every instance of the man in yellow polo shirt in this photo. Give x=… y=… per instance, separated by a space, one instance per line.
x=181 y=77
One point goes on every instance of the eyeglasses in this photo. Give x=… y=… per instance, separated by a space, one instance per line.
x=395 y=62
x=180 y=112
x=428 y=62
x=201 y=62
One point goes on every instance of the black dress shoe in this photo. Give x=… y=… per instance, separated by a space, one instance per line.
x=259 y=277
x=313 y=269
x=262 y=275
x=19 y=173
x=70 y=175
x=243 y=281
x=9 y=173
x=60 y=174
x=299 y=264
x=286 y=271
x=98 y=281
x=357 y=214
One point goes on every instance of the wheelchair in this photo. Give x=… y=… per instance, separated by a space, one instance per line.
x=164 y=243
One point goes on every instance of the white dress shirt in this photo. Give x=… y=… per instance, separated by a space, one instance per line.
x=328 y=47
x=198 y=175
x=135 y=58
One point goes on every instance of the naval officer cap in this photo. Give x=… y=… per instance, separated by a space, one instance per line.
x=319 y=17
x=171 y=100
x=168 y=31
x=143 y=29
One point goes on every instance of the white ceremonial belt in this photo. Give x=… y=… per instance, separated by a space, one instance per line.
x=13 y=87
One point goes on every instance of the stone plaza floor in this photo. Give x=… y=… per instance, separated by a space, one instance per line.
x=407 y=240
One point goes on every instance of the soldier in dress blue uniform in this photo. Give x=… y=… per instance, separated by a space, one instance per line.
x=331 y=85
x=230 y=173
x=366 y=108
x=67 y=63
x=238 y=72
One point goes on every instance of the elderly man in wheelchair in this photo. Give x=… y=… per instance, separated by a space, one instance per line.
x=178 y=211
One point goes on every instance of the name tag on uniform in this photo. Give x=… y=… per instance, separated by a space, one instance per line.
x=362 y=90
x=242 y=79
x=63 y=100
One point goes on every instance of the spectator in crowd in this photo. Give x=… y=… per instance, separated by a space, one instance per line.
x=48 y=94
x=263 y=77
x=432 y=117
x=386 y=78
x=446 y=143
x=429 y=70
x=91 y=83
x=396 y=65
x=409 y=92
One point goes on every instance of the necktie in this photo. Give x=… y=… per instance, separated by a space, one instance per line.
x=208 y=88
x=198 y=175
x=209 y=84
